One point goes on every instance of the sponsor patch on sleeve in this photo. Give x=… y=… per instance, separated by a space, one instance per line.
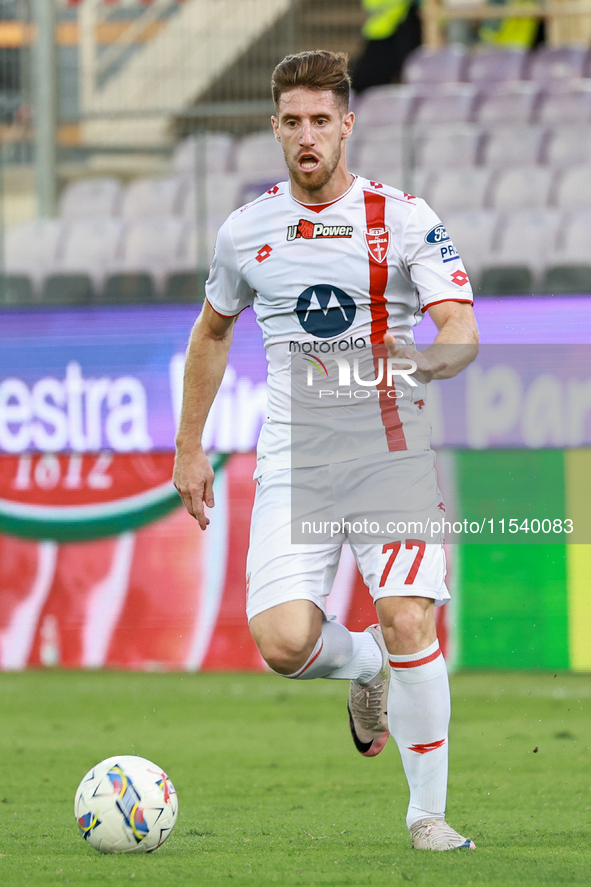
x=436 y=235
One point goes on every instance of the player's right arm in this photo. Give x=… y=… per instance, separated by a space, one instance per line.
x=206 y=361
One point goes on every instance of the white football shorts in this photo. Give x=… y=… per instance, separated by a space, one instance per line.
x=403 y=564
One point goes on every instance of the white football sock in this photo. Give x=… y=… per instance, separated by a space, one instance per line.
x=342 y=654
x=365 y=662
x=418 y=717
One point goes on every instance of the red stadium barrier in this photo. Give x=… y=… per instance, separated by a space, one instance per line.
x=157 y=595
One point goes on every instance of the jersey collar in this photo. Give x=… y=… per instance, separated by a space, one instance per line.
x=318 y=207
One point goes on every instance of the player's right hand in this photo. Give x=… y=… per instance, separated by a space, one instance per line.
x=193 y=477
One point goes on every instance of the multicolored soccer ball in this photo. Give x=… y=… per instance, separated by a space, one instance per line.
x=126 y=804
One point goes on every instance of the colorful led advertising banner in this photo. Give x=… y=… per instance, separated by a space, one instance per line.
x=100 y=565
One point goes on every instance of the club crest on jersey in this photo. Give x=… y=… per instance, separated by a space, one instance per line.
x=378 y=243
x=316 y=230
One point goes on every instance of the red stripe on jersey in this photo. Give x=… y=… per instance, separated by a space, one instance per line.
x=375 y=215
x=415 y=663
x=441 y=301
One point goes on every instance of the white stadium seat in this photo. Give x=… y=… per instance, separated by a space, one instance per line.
x=222 y=196
x=573 y=189
x=514 y=145
x=568 y=145
x=260 y=153
x=567 y=102
x=32 y=248
x=448 y=103
x=385 y=106
x=152 y=246
x=527 y=237
x=509 y=102
x=214 y=151
x=525 y=187
x=455 y=145
x=389 y=147
x=575 y=240
x=149 y=196
x=91 y=246
x=188 y=256
x=473 y=234
x=91 y=198
x=453 y=190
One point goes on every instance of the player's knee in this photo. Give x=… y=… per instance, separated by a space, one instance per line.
x=285 y=653
x=407 y=626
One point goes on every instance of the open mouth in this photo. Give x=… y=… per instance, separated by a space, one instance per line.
x=308 y=162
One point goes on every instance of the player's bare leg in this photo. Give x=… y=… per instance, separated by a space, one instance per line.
x=296 y=641
x=418 y=715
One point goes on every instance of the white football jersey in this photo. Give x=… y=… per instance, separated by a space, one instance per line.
x=328 y=281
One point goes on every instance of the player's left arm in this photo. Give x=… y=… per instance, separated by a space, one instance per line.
x=454 y=347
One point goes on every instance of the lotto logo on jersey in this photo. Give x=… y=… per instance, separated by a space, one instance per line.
x=314 y=231
x=325 y=311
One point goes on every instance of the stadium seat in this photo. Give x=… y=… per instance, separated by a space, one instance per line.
x=514 y=145
x=187 y=258
x=447 y=103
x=448 y=146
x=67 y=289
x=575 y=240
x=509 y=102
x=128 y=288
x=260 y=153
x=16 y=289
x=32 y=248
x=563 y=279
x=184 y=286
x=568 y=145
x=487 y=66
x=91 y=198
x=550 y=63
x=573 y=188
x=385 y=106
x=389 y=147
x=473 y=234
x=526 y=187
x=222 y=193
x=90 y=246
x=459 y=189
x=149 y=196
x=152 y=246
x=567 y=102
x=506 y=280
x=526 y=238
x=445 y=65
x=215 y=152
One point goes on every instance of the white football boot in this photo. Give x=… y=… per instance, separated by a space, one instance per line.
x=368 y=705
x=436 y=834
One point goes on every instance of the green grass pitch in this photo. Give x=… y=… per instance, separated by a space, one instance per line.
x=272 y=792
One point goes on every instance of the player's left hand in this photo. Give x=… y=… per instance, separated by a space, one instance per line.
x=428 y=364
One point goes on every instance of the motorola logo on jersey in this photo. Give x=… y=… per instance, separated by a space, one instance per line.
x=325 y=311
x=438 y=234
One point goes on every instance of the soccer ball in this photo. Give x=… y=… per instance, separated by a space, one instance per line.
x=126 y=804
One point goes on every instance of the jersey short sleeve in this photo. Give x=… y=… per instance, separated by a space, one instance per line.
x=435 y=266
x=226 y=290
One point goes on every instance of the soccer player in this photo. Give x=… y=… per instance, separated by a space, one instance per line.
x=337 y=265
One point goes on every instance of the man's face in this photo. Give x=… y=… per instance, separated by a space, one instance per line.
x=311 y=127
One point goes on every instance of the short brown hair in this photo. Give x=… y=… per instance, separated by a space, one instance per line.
x=315 y=69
